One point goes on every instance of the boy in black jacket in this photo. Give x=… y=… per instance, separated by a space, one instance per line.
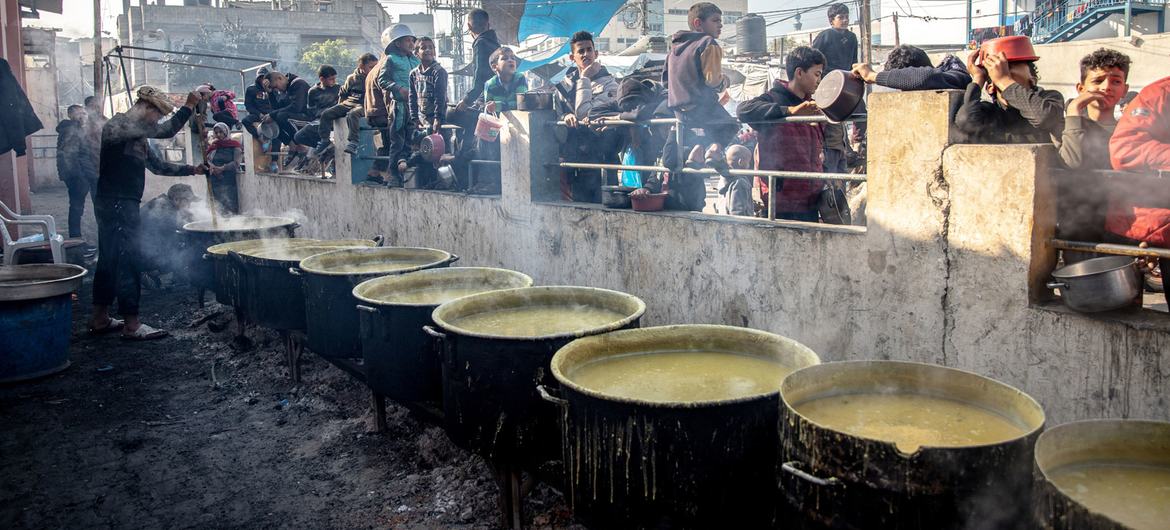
x=321 y=97
x=351 y=107
x=1021 y=111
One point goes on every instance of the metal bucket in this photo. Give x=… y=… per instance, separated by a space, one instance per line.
x=633 y=460
x=1103 y=475
x=36 y=319
x=834 y=478
x=331 y=317
x=490 y=403
x=400 y=358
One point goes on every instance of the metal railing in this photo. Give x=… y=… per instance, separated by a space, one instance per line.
x=771 y=175
x=1055 y=18
x=1111 y=248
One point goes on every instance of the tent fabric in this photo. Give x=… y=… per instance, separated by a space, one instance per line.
x=516 y=21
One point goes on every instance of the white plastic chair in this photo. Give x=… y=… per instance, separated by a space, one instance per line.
x=48 y=228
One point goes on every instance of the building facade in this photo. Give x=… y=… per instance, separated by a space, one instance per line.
x=660 y=17
x=290 y=25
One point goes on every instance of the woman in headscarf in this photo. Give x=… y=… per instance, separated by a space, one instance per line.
x=224 y=156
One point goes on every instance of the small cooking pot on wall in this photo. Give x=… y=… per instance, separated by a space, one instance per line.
x=534 y=101
x=839 y=94
x=1098 y=284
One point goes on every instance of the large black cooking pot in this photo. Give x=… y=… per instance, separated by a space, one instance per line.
x=331 y=317
x=271 y=295
x=490 y=402
x=835 y=479
x=649 y=457
x=1104 y=475
x=227 y=272
x=399 y=356
x=203 y=234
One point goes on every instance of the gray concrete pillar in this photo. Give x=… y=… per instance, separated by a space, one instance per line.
x=528 y=154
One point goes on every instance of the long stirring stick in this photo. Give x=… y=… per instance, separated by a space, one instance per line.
x=201 y=128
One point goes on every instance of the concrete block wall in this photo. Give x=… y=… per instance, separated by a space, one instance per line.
x=946 y=271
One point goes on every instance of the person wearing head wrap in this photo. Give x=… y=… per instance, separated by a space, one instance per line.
x=224 y=156
x=125 y=157
x=160 y=247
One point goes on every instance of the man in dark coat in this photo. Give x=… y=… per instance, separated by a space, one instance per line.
x=125 y=157
x=75 y=165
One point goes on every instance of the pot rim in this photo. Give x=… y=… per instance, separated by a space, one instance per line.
x=584 y=342
x=285 y=221
x=1124 y=261
x=220 y=250
x=431 y=272
x=308 y=264
x=69 y=281
x=264 y=261
x=1118 y=429
x=1029 y=400
x=437 y=317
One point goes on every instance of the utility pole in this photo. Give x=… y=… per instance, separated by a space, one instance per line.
x=967 y=37
x=97 y=48
x=897 y=37
x=645 y=17
x=1128 y=17
x=866 y=33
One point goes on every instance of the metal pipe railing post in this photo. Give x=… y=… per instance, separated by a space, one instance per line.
x=771 y=197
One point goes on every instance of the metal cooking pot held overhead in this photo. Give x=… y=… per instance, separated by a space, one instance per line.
x=1098 y=284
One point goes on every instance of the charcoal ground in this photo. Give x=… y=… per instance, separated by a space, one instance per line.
x=192 y=432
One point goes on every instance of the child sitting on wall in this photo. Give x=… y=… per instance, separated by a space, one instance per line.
x=694 y=78
x=499 y=96
x=428 y=109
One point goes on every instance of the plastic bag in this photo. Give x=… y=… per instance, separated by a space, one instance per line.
x=630 y=178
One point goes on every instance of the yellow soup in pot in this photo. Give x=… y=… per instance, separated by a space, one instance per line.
x=537 y=321
x=1135 y=495
x=910 y=421
x=434 y=295
x=681 y=376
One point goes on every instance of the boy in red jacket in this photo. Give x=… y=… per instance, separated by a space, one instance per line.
x=790 y=146
x=1141 y=142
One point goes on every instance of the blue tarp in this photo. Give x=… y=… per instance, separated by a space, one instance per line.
x=556 y=20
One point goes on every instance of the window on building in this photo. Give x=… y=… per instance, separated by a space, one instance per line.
x=682 y=12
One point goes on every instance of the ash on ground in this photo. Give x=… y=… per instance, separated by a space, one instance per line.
x=193 y=431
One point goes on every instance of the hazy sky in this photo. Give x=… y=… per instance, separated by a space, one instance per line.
x=77 y=21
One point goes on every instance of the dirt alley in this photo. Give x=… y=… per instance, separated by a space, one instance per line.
x=188 y=432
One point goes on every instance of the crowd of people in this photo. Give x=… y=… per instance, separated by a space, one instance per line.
x=403 y=96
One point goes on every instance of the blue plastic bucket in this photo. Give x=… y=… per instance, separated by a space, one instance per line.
x=36 y=319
